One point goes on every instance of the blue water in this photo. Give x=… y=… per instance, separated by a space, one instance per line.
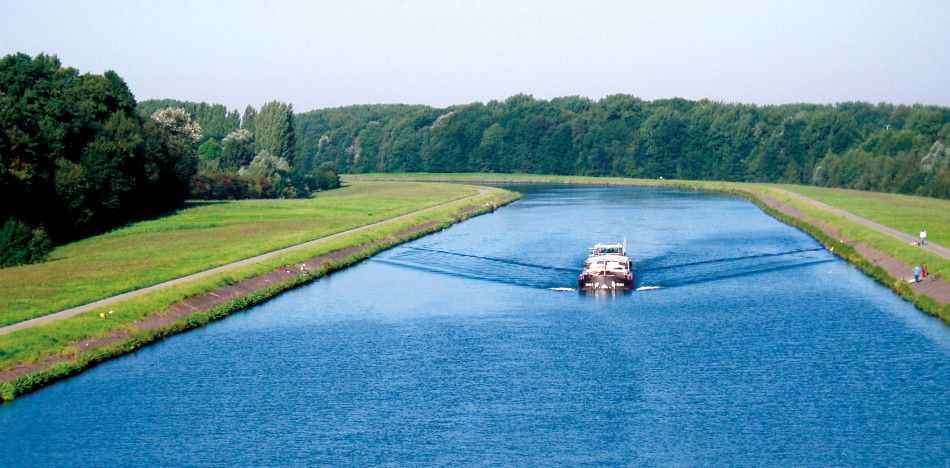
x=759 y=348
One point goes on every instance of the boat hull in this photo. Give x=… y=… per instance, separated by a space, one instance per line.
x=604 y=282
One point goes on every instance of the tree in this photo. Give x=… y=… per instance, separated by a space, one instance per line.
x=326 y=177
x=266 y=165
x=20 y=245
x=171 y=160
x=215 y=120
x=237 y=150
x=664 y=136
x=209 y=150
x=74 y=153
x=249 y=120
x=274 y=129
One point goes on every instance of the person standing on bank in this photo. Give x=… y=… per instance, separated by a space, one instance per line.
x=917 y=274
x=923 y=236
x=923 y=271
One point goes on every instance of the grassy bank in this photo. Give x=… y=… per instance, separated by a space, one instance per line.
x=897 y=211
x=902 y=212
x=199 y=237
x=64 y=340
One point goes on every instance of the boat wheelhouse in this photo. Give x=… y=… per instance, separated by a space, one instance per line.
x=607 y=268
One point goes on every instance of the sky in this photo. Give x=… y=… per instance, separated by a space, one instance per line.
x=327 y=54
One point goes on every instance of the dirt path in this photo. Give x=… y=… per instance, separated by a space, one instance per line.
x=231 y=266
x=936 y=288
x=901 y=236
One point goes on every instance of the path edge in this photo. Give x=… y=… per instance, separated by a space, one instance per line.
x=61 y=369
x=924 y=303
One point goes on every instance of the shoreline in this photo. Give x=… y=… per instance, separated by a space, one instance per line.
x=827 y=236
x=200 y=309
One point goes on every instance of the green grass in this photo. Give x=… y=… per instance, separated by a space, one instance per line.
x=199 y=237
x=485 y=177
x=58 y=338
x=902 y=212
x=905 y=213
x=909 y=254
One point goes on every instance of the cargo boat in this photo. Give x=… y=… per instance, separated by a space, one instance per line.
x=607 y=268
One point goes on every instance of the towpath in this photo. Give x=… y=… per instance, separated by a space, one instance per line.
x=230 y=266
x=901 y=236
x=934 y=287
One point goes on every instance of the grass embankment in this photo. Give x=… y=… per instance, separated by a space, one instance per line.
x=62 y=341
x=199 y=237
x=493 y=178
x=905 y=213
x=902 y=212
x=894 y=211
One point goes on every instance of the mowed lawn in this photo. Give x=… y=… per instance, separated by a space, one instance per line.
x=905 y=213
x=199 y=237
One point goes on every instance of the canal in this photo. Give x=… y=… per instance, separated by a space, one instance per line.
x=756 y=347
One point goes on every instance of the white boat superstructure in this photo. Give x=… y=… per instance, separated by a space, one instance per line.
x=607 y=267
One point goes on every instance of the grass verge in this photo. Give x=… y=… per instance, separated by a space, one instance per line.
x=60 y=343
x=907 y=254
x=199 y=237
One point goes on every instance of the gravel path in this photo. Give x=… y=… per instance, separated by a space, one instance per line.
x=935 y=288
x=230 y=266
x=901 y=236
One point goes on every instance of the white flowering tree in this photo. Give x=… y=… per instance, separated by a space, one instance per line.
x=171 y=157
x=177 y=121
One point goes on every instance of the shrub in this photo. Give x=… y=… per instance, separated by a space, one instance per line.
x=20 y=245
x=230 y=187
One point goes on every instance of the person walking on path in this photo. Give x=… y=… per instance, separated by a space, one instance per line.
x=923 y=236
x=917 y=274
x=923 y=271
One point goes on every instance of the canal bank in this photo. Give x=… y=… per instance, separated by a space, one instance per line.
x=460 y=353
x=931 y=297
x=248 y=285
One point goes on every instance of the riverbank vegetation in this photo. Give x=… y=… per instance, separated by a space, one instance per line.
x=199 y=237
x=75 y=159
x=61 y=344
x=80 y=156
x=880 y=147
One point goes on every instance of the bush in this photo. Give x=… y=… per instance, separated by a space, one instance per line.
x=230 y=187
x=326 y=177
x=20 y=245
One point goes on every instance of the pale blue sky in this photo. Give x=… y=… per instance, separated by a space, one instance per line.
x=320 y=54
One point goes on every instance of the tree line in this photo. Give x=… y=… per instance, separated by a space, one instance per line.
x=249 y=156
x=79 y=156
x=75 y=158
x=880 y=147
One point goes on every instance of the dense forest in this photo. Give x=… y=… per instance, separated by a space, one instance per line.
x=878 y=147
x=79 y=156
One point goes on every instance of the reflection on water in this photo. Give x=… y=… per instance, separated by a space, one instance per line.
x=757 y=348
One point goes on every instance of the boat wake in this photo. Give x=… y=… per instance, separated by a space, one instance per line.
x=657 y=276
x=493 y=269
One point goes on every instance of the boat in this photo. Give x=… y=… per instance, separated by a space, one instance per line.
x=607 y=268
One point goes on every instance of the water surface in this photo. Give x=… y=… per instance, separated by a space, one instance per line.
x=759 y=347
